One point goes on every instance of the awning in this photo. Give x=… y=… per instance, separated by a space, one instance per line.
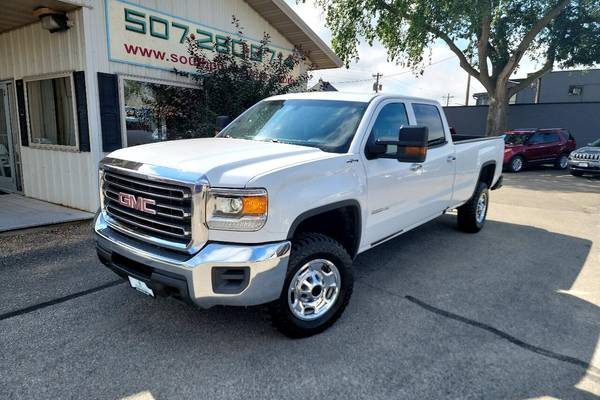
x=293 y=28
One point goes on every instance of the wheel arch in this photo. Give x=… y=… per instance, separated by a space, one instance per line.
x=340 y=220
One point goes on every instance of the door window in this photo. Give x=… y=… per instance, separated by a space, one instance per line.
x=387 y=125
x=428 y=115
x=5 y=147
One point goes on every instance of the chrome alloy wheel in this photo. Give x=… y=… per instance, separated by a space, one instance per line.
x=314 y=289
x=517 y=164
x=482 y=204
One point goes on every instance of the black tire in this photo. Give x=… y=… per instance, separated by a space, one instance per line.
x=308 y=247
x=467 y=213
x=576 y=173
x=516 y=164
x=562 y=162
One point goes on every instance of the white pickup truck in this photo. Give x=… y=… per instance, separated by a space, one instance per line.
x=274 y=209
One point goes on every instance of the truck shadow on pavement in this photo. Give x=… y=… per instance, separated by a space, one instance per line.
x=435 y=314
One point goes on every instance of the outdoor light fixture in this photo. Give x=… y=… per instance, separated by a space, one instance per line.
x=52 y=20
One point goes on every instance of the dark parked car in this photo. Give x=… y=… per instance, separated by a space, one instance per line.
x=537 y=146
x=586 y=160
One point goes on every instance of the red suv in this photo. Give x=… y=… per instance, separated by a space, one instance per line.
x=537 y=146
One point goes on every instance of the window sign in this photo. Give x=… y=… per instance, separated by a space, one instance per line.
x=147 y=37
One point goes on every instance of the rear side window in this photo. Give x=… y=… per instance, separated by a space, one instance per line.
x=536 y=139
x=429 y=116
x=551 y=138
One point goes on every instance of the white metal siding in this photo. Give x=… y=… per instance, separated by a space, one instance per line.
x=67 y=178
x=31 y=50
x=62 y=177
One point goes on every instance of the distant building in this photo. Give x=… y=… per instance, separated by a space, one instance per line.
x=581 y=86
x=323 y=86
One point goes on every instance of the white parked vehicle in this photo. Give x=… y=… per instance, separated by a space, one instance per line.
x=273 y=210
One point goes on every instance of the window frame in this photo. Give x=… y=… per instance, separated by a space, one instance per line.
x=46 y=146
x=444 y=128
x=126 y=77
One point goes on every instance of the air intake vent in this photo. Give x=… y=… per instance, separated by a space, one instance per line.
x=230 y=280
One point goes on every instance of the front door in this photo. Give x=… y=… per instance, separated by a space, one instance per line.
x=7 y=164
x=395 y=189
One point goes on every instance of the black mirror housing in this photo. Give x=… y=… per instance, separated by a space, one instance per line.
x=412 y=144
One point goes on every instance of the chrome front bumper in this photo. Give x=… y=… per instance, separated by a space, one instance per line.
x=265 y=266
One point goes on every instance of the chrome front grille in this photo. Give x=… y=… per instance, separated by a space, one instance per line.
x=168 y=216
x=586 y=157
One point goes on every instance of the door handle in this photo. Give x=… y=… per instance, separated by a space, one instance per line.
x=451 y=158
x=416 y=167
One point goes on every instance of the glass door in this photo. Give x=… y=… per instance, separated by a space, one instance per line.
x=7 y=169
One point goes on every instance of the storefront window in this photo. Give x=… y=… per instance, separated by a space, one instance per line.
x=50 y=111
x=157 y=112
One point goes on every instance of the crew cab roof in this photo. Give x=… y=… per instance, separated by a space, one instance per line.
x=344 y=96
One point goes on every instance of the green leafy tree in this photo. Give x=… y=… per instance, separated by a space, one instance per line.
x=489 y=37
x=226 y=83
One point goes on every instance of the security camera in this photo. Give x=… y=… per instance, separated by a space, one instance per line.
x=52 y=20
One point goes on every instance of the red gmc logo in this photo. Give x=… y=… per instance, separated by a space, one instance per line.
x=137 y=203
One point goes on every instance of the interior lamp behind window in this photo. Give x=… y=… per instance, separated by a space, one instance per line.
x=53 y=21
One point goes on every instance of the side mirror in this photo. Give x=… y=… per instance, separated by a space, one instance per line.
x=221 y=122
x=411 y=145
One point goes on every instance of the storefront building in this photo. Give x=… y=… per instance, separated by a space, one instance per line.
x=74 y=74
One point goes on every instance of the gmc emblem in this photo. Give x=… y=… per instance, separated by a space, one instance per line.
x=137 y=203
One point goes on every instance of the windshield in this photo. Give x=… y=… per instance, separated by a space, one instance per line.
x=595 y=143
x=516 y=138
x=326 y=124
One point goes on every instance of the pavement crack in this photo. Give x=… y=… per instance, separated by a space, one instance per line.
x=59 y=300
x=495 y=331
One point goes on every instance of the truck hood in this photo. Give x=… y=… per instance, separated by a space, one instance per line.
x=225 y=162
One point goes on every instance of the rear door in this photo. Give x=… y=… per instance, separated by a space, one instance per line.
x=439 y=168
x=535 y=148
x=553 y=144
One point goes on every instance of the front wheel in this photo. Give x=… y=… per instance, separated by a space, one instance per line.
x=317 y=287
x=471 y=215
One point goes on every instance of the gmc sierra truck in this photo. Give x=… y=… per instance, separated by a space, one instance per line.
x=274 y=208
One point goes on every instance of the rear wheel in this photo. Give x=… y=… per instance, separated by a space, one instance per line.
x=317 y=288
x=516 y=164
x=562 y=162
x=576 y=173
x=471 y=215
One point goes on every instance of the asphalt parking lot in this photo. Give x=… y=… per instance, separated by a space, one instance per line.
x=512 y=312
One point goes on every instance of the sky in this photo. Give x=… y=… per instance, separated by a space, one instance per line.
x=443 y=76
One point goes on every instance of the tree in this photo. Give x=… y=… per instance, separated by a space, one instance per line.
x=489 y=37
x=227 y=82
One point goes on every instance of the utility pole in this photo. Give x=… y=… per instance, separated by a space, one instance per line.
x=468 y=89
x=448 y=97
x=376 y=85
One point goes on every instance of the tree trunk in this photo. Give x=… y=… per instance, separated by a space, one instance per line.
x=497 y=112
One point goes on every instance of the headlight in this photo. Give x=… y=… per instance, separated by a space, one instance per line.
x=236 y=209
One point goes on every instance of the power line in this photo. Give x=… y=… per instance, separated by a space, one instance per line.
x=395 y=74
